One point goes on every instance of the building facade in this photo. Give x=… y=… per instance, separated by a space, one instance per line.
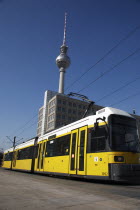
x=43 y=113
x=40 y=117
x=62 y=110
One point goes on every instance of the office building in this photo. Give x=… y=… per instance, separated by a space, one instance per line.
x=43 y=112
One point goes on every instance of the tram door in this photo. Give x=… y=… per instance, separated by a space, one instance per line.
x=78 y=151
x=41 y=156
x=73 y=152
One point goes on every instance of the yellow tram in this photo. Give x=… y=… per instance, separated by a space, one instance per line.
x=102 y=146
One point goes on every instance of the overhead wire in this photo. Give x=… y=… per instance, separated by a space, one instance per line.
x=23 y=127
x=19 y=140
x=3 y=141
x=131 y=96
x=19 y=134
x=27 y=128
x=25 y=124
x=111 y=69
x=113 y=48
x=118 y=89
x=30 y=126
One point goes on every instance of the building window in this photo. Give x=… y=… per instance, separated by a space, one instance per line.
x=53 y=102
x=69 y=110
x=58 y=123
x=63 y=109
x=74 y=112
x=51 y=110
x=40 y=117
x=70 y=104
x=63 y=116
x=64 y=102
x=74 y=104
x=79 y=106
x=51 y=124
x=59 y=108
x=58 y=116
x=59 y=101
x=39 y=124
x=48 y=125
x=51 y=117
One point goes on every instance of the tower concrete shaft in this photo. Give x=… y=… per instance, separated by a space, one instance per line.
x=63 y=61
x=61 y=80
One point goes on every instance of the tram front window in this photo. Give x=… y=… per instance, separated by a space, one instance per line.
x=124 y=136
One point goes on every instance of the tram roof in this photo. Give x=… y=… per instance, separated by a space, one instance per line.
x=90 y=120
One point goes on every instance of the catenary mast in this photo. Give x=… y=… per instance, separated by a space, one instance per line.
x=63 y=61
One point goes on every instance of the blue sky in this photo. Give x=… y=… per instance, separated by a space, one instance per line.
x=31 y=33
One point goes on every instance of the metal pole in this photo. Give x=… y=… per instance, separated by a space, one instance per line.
x=14 y=143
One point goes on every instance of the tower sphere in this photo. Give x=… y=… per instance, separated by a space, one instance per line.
x=63 y=61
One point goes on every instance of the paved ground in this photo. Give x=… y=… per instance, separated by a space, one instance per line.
x=20 y=190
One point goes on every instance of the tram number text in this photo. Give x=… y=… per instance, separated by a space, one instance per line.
x=104 y=174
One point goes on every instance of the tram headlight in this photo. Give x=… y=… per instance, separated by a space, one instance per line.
x=118 y=158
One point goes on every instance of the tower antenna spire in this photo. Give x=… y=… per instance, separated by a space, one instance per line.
x=65 y=24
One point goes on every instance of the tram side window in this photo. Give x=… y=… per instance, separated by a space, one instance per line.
x=50 y=148
x=8 y=156
x=98 y=139
x=26 y=153
x=62 y=145
x=58 y=147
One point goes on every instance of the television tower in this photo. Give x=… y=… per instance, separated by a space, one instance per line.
x=63 y=61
